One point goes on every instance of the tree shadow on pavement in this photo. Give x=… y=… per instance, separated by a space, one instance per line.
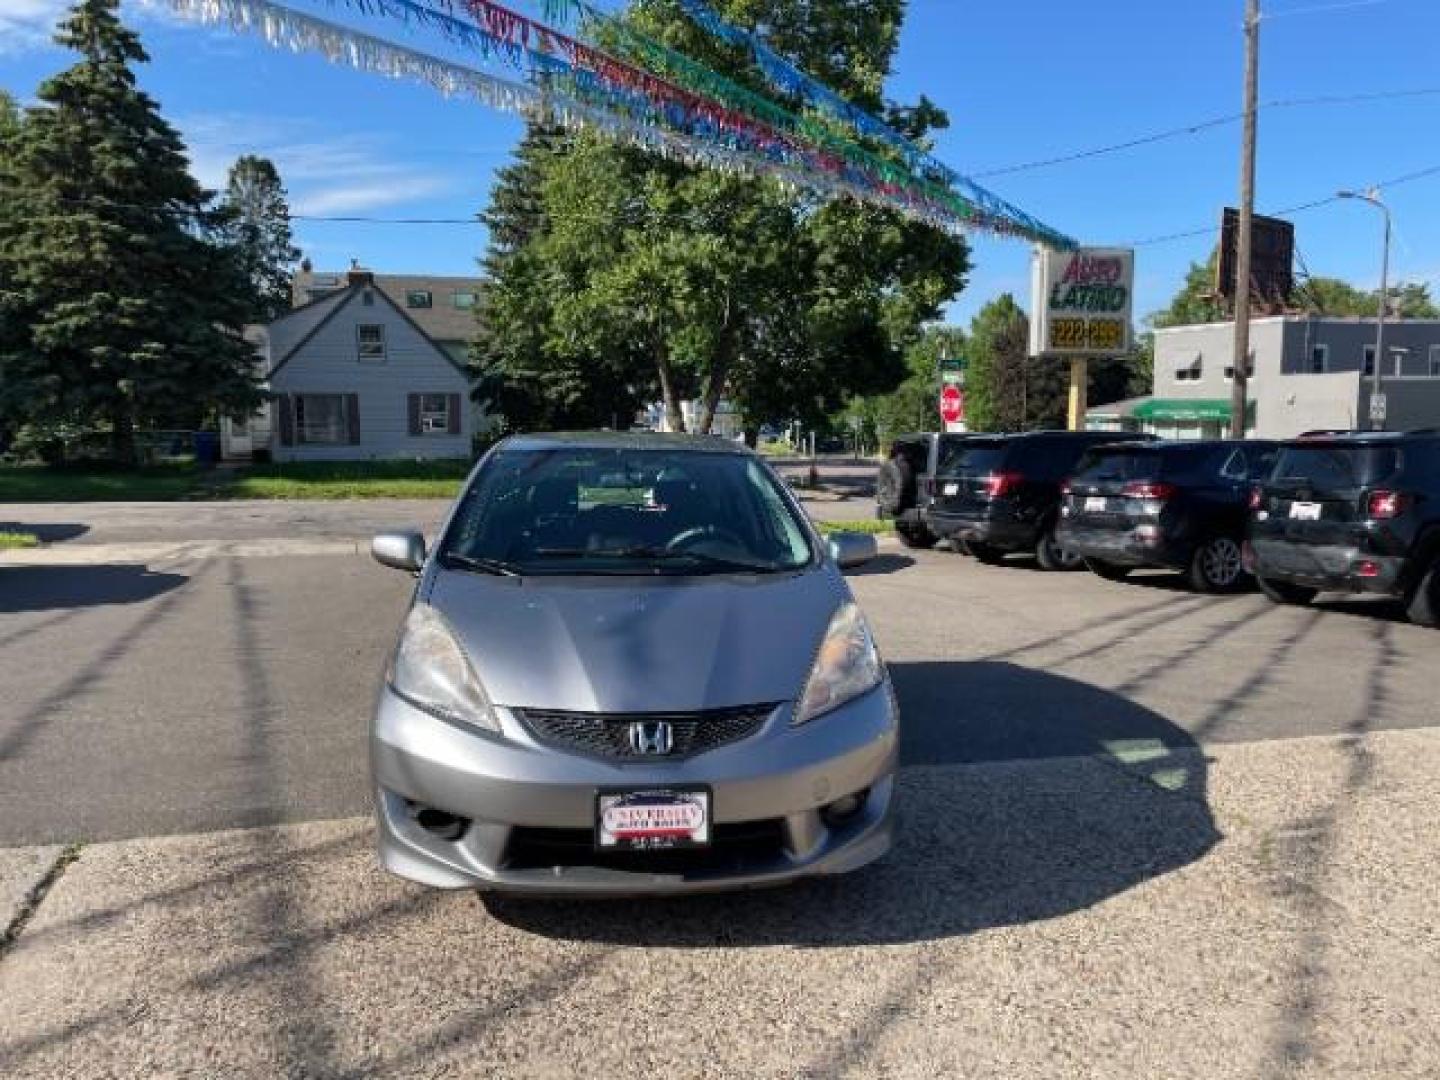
x=45 y=588
x=48 y=533
x=881 y=564
x=1023 y=796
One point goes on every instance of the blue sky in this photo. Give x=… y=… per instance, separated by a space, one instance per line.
x=1023 y=80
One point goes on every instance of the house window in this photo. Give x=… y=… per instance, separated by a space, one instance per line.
x=320 y=418
x=1192 y=371
x=434 y=414
x=370 y=339
x=463 y=300
x=1435 y=361
x=418 y=298
x=1249 y=369
x=1319 y=359
x=1369 y=366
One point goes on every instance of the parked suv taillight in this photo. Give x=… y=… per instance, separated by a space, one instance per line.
x=1000 y=484
x=1257 y=498
x=1144 y=489
x=1385 y=504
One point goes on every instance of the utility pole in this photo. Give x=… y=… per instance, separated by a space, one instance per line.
x=1239 y=397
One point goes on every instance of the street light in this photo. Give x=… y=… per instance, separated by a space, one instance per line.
x=1373 y=198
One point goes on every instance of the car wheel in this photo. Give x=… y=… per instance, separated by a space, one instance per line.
x=1217 y=566
x=1424 y=606
x=1283 y=592
x=991 y=556
x=1053 y=557
x=916 y=536
x=1108 y=570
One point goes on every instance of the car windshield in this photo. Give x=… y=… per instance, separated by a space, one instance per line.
x=576 y=510
x=1333 y=466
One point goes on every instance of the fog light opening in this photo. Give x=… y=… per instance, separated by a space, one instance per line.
x=844 y=809
x=438 y=823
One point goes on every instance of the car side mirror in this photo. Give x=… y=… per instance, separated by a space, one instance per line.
x=400 y=550
x=852 y=549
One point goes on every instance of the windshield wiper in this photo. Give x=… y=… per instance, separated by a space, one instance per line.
x=659 y=555
x=454 y=560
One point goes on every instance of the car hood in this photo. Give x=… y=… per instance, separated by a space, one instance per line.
x=598 y=644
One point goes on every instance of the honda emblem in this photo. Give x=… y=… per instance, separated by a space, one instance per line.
x=652 y=738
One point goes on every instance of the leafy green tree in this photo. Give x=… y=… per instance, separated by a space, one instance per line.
x=1197 y=301
x=699 y=282
x=129 y=312
x=997 y=379
x=257 y=225
x=1331 y=296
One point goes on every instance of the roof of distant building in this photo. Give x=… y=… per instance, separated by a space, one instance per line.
x=443 y=307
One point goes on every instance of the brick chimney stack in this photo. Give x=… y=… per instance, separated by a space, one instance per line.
x=357 y=275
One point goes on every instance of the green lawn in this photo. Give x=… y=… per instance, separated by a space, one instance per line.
x=36 y=483
x=349 y=480
x=865 y=525
x=9 y=541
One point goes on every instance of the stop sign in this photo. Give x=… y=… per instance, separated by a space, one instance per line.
x=952 y=404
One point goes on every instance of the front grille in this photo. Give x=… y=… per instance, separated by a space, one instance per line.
x=733 y=848
x=607 y=735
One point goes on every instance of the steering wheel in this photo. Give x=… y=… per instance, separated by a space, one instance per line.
x=685 y=539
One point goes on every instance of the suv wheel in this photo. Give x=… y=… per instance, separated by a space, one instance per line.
x=1424 y=606
x=1053 y=557
x=1217 y=566
x=916 y=536
x=1108 y=570
x=1283 y=592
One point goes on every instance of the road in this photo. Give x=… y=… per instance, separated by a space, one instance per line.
x=1144 y=833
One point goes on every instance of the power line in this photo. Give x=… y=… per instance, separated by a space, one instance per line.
x=1204 y=125
x=1396 y=181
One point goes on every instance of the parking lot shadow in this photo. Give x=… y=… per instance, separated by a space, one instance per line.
x=881 y=564
x=1023 y=796
x=45 y=588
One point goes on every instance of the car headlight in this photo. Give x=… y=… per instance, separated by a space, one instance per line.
x=431 y=671
x=847 y=665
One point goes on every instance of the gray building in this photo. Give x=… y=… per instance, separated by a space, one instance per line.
x=353 y=376
x=1306 y=373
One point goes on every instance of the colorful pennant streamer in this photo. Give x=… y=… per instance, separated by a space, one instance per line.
x=285 y=27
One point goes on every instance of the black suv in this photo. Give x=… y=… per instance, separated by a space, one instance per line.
x=1181 y=505
x=1355 y=513
x=1001 y=493
x=904 y=484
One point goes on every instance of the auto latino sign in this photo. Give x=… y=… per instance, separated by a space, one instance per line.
x=1082 y=301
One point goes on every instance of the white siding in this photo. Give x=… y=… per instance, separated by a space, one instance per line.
x=329 y=364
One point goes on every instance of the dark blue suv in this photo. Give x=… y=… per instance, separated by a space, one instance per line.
x=1353 y=513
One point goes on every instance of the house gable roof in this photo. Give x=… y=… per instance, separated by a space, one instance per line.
x=342 y=299
x=442 y=321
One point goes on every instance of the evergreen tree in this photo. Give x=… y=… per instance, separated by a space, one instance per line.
x=129 y=312
x=257 y=226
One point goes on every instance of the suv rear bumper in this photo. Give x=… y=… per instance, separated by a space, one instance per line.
x=1124 y=547
x=1002 y=534
x=1331 y=567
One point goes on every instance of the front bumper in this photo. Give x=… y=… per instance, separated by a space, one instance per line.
x=509 y=788
x=1328 y=567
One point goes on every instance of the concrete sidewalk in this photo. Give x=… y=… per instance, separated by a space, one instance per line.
x=1255 y=911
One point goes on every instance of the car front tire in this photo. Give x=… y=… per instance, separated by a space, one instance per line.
x=1217 y=566
x=1052 y=556
x=918 y=537
x=990 y=556
x=1424 y=606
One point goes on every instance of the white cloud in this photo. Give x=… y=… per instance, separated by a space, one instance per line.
x=28 y=24
x=324 y=173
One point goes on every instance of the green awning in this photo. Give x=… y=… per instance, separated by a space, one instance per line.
x=1183 y=410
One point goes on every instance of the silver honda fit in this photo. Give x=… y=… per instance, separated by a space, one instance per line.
x=631 y=666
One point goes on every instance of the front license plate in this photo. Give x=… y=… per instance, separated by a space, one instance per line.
x=1305 y=511
x=659 y=819
x=1095 y=504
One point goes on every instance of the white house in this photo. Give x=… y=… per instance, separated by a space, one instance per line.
x=353 y=377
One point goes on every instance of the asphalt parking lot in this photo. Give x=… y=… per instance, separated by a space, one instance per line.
x=1144 y=833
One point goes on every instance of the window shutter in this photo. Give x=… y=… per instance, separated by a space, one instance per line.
x=285 y=413
x=352 y=418
x=413 y=404
x=453 y=412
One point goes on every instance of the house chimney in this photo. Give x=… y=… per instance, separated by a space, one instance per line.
x=357 y=275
